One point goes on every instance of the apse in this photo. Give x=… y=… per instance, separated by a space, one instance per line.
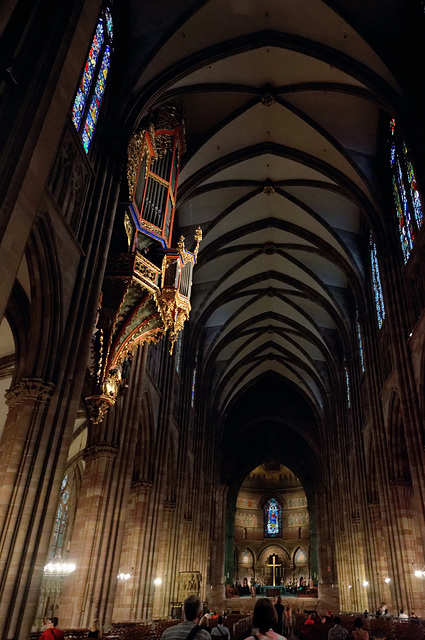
x=272 y=529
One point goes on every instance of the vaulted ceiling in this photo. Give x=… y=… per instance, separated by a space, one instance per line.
x=283 y=101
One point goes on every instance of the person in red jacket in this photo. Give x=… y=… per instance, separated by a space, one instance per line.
x=52 y=632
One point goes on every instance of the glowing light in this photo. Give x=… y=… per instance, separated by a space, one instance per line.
x=365 y=583
x=387 y=580
x=122 y=577
x=157 y=581
x=57 y=567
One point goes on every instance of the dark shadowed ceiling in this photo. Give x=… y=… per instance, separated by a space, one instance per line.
x=285 y=102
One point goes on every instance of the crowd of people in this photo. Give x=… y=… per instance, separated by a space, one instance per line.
x=271 y=620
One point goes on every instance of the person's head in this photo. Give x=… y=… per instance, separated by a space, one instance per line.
x=192 y=608
x=358 y=623
x=337 y=620
x=278 y=600
x=401 y=610
x=54 y=621
x=379 y=634
x=265 y=615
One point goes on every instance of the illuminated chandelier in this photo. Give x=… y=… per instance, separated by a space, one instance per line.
x=57 y=567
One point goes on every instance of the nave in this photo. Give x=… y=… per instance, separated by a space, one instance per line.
x=212 y=338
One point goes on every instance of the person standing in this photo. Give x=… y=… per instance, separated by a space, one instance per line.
x=52 y=632
x=287 y=620
x=279 y=612
x=189 y=629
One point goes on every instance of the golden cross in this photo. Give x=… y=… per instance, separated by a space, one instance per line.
x=274 y=565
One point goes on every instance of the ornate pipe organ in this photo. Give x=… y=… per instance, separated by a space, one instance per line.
x=147 y=284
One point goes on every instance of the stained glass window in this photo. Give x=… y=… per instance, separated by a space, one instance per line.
x=272 y=519
x=347 y=384
x=359 y=337
x=192 y=401
x=86 y=107
x=405 y=192
x=61 y=520
x=178 y=351
x=376 y=283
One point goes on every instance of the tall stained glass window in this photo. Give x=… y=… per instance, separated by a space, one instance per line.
x=272 y=519
x=178 y=352
x=359 y=338
x=192 y=401
x=61 y=520
x=376 y=283
x=405 y=192
x=347 y=384
x=87 y=102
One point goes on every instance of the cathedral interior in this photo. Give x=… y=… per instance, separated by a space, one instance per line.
x=212 y=339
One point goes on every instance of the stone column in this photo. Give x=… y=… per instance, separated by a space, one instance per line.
x=29 y=452
x=101 y=512
x=130 y=593
x=218 y=533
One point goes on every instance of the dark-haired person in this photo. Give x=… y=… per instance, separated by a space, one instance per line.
x=338 y=632
x=220 y=631
x=52 y=632
x=189 y=629
x=264 y=619
x=279 y=611
x=358 y=632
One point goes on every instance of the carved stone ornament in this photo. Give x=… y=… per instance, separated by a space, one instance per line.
x=268 y=99
x=142 y=486
x=33 y=389
x=137 y=147
x=97 y=407
x=96 y=451
x=174 y=310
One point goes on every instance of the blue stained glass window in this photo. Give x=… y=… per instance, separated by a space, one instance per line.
x=87 y=77
x=96 y=101
x=272 y=519
x=414 y=193
x=87 y=102
x=61 y=520
x=359 y=337
x=192 y=401
x=405 y=192
x=178 y=356
x=376 y=283
x=109 y=24
x=347 y=384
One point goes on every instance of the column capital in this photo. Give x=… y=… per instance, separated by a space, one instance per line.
x=142 y=486
x=33 y=389
x=101 y=450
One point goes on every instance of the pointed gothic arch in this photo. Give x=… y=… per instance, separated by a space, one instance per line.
x=46 y=324
x=143 y=454
x=399 y=459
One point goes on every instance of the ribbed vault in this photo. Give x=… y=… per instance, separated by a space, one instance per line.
x=285 y=105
